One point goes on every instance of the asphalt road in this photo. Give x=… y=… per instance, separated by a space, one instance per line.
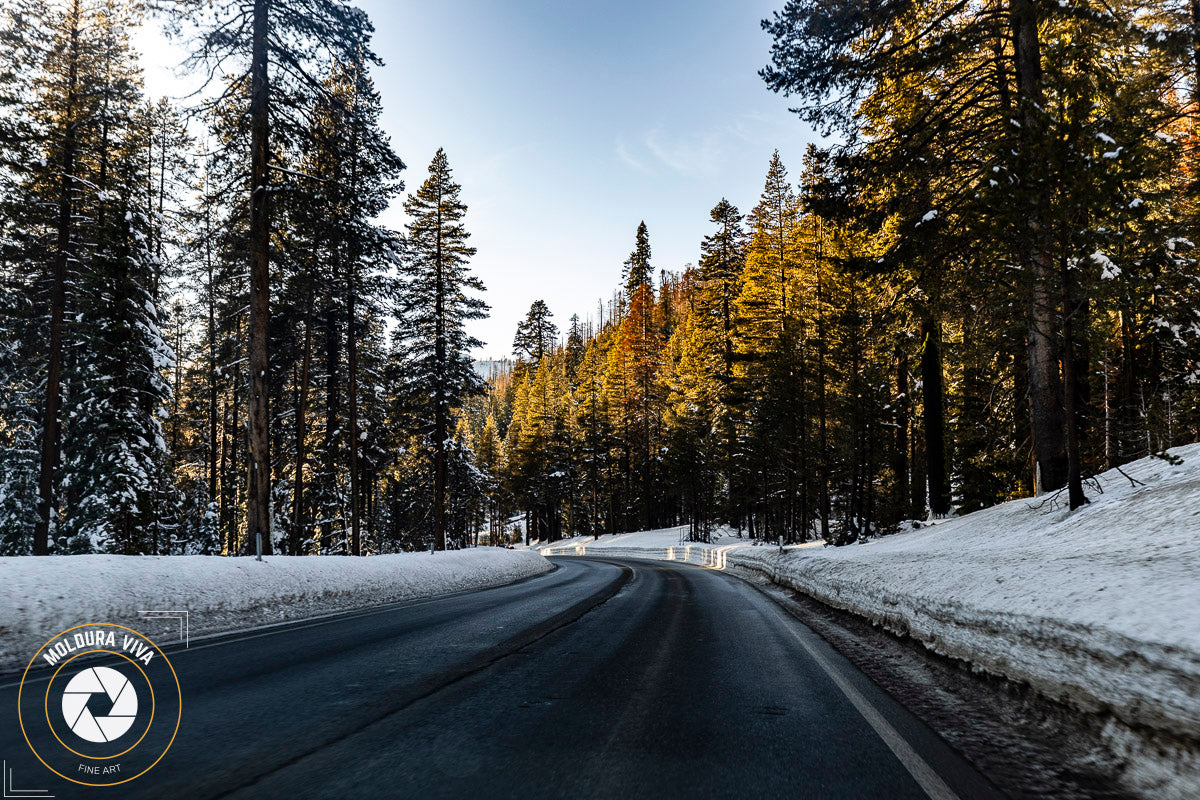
x=601 y=679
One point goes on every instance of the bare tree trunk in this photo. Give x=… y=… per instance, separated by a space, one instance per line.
x=934 y=394
x=902 y=407
x=647 y=464
x=301 y=435
x=150 y=191
x=822 y=410
x=258 y=495
x=222 y=504
x=58 y=302
x=1195 y=8
x=162 y=197
x=233 y=541
x=916 y=466
x=333 y=408
x=798 y=419
x=1076 y=497
x=212 y=362
x=1045 y=386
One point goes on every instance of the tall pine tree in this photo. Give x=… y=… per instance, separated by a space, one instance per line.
x=434 y=309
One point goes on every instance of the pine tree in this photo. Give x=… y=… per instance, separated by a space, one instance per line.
x=692 y=419
x=286 y=36
x=594 y=438
x=215 y=249
x=168 y=175
x=18 y=433
x=68 y=70
x=101 y=480
x=489 y=451
x=575 y=345
x=539 y=448
x=637 y=356
x=114 y=455
x=988 y=132
x=722 y=263
x=536 y=334
x=116 y=480
x=771 y=379
x=722 y=260
x=22 y=49
x=638 y=271
x=338 y=257
x=433 y=311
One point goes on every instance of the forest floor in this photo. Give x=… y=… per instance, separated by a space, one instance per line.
x=45 y=595
x=1093 y=609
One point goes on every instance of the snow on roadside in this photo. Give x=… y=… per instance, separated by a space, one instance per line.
x=44 y=595
x=1099 y=607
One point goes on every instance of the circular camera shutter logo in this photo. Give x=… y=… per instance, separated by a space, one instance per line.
x=99 y=704
x=95 y=688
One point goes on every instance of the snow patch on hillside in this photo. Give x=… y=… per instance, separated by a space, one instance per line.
x=45 y=595
x=1099 y=607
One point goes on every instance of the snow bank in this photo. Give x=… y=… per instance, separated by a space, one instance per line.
x=1100 y=607
x=42 y=596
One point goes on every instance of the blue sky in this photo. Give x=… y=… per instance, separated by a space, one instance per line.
x=568 y=122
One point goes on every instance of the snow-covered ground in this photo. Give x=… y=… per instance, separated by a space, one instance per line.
x=1100 y=607
x=41 y=596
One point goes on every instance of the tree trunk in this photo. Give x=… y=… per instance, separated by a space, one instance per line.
x=223 y=504
x=258 y=495
x=440 y=423
x=900 y=493
x=332 y=410
x=212 y=362
x=1195 y=8
x=298 y=522
x=647 y=463
x=797 y=420
x=352 y=339
x=233 y=545
x=1128 y=421
x=1076 y=497
x=58 y=302
x=162 y=198
x=916 y=465
x=822 y=411
x=1045 y=387
x=934 y=394
x=352 y=351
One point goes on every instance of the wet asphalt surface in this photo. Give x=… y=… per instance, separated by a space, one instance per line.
x=604 y=678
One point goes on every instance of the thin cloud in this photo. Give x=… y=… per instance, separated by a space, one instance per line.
x=629 y=159
x=689 y=154
x=700 y=152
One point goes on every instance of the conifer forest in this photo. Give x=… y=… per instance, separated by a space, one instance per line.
x=982 y=284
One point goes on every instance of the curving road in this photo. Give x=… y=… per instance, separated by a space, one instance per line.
x=604 y=678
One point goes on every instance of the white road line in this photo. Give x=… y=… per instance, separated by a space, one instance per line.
x=922 y=773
